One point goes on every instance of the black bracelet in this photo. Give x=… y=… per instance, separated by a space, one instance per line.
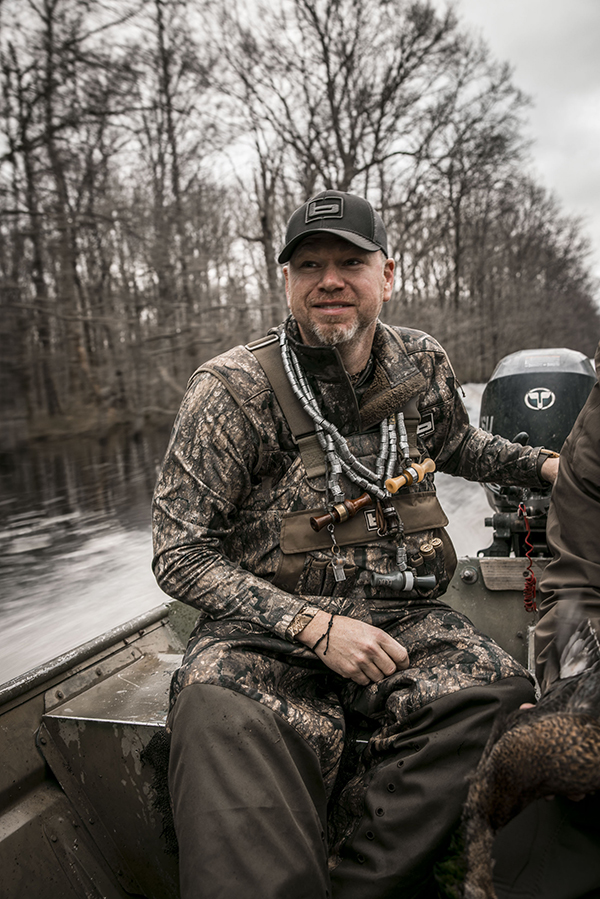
x=324 y=636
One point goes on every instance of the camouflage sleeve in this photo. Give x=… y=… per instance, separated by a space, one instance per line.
x=570 y=584
x=205 y=479
x=457 y=447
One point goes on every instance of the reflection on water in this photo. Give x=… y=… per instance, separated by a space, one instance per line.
x=75 y=545
x=55 y=478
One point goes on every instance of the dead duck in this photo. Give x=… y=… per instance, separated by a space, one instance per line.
x=550 y=749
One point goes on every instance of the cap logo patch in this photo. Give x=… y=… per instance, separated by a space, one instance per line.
x=325 y=208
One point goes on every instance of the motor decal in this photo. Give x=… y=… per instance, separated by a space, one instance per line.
x=539 y=398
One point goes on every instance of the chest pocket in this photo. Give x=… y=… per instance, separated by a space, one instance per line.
x=299 y=542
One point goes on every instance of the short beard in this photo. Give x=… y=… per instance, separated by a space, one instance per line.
x=333 y=335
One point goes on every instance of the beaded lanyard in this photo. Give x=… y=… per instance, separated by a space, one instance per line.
x=340 y=459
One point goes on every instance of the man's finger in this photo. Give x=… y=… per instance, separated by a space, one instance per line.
x=396 y=652
x=385 y=666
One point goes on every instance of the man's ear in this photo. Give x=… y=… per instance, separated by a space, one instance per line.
x=286 y=275
x=388 y=279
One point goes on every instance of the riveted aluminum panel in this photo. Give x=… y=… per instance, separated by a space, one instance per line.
x=45 y=852
x=94 y=742
x=491 y=596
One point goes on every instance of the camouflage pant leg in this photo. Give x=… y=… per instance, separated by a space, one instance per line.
x=444 y=703
x=446 y=654
x=249 y=805
x=287 y=678
x=393 y=817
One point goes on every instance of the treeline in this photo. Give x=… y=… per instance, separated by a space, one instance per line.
x=152 y=150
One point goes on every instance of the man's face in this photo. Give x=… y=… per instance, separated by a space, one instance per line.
x=335 y=290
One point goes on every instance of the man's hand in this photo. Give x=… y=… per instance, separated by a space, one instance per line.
x=355 y=650
x=549 y=468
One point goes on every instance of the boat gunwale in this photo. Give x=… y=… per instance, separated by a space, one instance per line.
x=45 y=672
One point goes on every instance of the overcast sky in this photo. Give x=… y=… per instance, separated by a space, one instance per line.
x=554 y=48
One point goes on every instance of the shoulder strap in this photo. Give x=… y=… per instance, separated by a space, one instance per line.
x=412 y=419
x=412 y=416
x=268 y=354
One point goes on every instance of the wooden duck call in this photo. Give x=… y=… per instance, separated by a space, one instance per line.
x=340 y=512
x=416 y=472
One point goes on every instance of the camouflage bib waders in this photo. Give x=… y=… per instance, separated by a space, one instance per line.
x=381 y=768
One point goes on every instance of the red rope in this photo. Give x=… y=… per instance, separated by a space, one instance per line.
x=529 y=589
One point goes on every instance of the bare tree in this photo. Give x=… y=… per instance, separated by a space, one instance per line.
x=146 y=174
x=343 y=83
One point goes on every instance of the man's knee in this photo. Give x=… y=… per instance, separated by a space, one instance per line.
x=217 y=730
x=244 y=783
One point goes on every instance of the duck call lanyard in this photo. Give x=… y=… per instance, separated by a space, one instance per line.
x=340 y=460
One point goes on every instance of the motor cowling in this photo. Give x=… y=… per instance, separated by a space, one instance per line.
x=533 y=397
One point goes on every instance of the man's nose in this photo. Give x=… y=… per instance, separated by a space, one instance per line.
x=331 y=278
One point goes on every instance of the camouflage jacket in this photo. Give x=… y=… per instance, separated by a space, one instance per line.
x=231 y=507
x=570 y=584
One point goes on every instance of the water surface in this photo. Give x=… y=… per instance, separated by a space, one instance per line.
x=75 y=545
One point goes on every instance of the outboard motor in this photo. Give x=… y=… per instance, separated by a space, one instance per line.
x=533 y=397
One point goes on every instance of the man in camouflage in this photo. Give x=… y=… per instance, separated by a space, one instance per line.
x=323 y=726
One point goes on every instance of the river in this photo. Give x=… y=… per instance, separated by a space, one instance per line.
x=75 y=545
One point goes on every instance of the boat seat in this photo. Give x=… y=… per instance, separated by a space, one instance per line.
x=96 y=733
